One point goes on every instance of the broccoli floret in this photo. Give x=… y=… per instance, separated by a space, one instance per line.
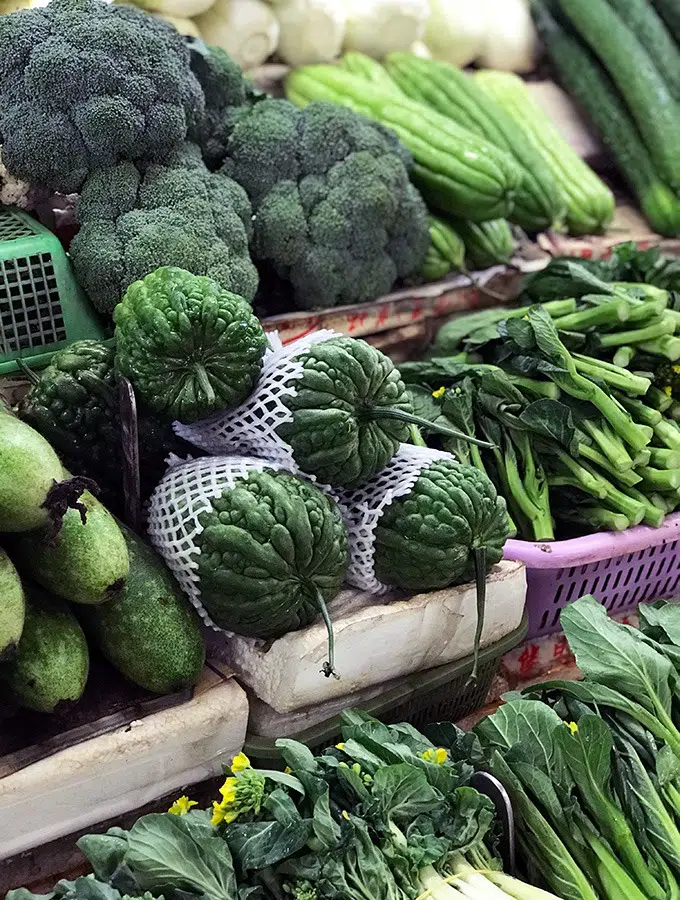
x=226 y=91
x=335 y=214
x=135 y=219
x=84 y=84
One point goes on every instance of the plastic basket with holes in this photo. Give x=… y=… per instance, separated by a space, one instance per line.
x=621 y=569
x=42 y=307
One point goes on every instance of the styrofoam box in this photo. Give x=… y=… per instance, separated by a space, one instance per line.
x=115 y=773
x=376 y=639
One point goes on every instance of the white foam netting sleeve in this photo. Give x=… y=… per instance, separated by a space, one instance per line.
x=184 y=492
x=362 y=507
x=252 y=426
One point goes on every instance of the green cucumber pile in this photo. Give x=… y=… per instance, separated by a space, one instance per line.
x=83 y=581
x=577 y=389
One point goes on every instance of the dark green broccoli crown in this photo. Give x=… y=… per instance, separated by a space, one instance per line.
x=189 y=347
x=269 y=546
x=135 y=220
x=425 y=539
x=335 y=213
x=226 y=91
x=84 y=84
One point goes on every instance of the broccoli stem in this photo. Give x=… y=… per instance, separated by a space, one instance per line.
x=589 y=480
x=661 y=479
x=658 y=400
x=530 y=493
x=645 y=310
x=582 y=477
x=624 y=357
x=615 y=376
x=639 y=410
x=664 y=458
x=598 y=517
x=674 y=411
x=610 y=313
x=400 y=415
x=667 y=346
x=654 y=514
x=628 y=479
x=667 y=433
x=660 y=328
x=547 y=389
x=610 y=444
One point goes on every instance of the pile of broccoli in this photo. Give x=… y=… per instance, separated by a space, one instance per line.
x=168 y=145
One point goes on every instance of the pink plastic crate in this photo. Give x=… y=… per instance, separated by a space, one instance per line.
x=621 y=569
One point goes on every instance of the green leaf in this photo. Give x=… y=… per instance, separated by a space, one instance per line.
x=104 y=852
x=257 y=845
x=525 y=722
x=280 y=805
x=552 y=420
x=403 y=792
x=617 y=656
x=326 y=829
x=163 y=855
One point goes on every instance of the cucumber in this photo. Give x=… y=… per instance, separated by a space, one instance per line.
x=33 y=490
x=635 y=74
x=456 y=171
x=585 y=79
x=446 y=252
x=486 y=243
x=590 y=204
x=52 y=662
x=12 y=607
x=454 y=94
x=150 y=632
x=669 y=10
x=85 y=563
x=651 y=31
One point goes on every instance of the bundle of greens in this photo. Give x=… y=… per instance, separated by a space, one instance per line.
x=384 y=815
x=573 y=393
x=593 y=767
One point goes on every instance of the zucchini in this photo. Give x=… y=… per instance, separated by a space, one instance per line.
x=486 y=243
x=454 y=94
x=635 y=74
x=590 y=204
x=446 y=252
x=651 y=31
x=456 y=171
x=669 y=10
x=585 y=79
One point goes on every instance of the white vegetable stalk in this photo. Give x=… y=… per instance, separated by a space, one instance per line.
x=247 y=29
x=455 y=30
x=184 y=26
x=379 y=27
x=182 y=9
x=510 y=38
x=310 y=31
x=517 y=889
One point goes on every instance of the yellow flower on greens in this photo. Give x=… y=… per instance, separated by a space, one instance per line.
x=240 y=794
x=668 y=390
x=345 y=814
x=240 y=763
x=439 y=393
x=573 y=727
x=228 y=790
x=223 y=813
x=436 y=755
x=181 y=806
x=340 y=746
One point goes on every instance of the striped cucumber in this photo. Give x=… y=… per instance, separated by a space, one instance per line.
x=446 y=252
x=669 y=10
x=590 y=203
x=655 y=37
x=635 y=74
x=585 y=79
x=370 y=70
x=455 y=170
x=453 y=93
x=486 y=243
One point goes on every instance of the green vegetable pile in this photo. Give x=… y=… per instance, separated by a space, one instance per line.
x=76 y=573
x=576 y=396
x=384 y=815
x=593 y=767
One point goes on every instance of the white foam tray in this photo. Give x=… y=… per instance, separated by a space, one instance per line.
x=376 y=640
x=115 y=773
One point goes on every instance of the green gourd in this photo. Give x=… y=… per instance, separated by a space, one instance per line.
x=12 y=606
x=446 y=252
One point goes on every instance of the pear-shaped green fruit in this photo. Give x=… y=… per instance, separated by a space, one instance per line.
x=12 y=606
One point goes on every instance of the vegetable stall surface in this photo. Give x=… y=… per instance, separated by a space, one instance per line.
x=189 y=347
x=592 y=766
x=385 y=815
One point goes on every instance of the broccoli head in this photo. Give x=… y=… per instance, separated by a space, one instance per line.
x=135 y=219
x=335 y=213
x=226 y=91
x=85 y=84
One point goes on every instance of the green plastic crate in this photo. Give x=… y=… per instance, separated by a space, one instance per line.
x=42 y=307
x=438 y=695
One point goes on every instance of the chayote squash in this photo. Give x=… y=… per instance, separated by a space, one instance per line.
x=189 y=347
x=351 y=411
x=449 y=529
x=273 y=552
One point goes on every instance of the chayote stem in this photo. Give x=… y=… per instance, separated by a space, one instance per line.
x=328 y=668
x=479 y=560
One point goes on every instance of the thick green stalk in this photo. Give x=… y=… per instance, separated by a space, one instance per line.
x=654 y=516
x=547 y=389
x=629 y=478
x=661 y=328
x=624 y=357
x=612 y=448
x=657 y=399
x=664 y=458
x=585 y=478
x=616 y=882
x=612 y=312
x=614 y=376
x=597 y=517
x=667 y=434
x=641 y=412
x=660 y=479
x=667 y=346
